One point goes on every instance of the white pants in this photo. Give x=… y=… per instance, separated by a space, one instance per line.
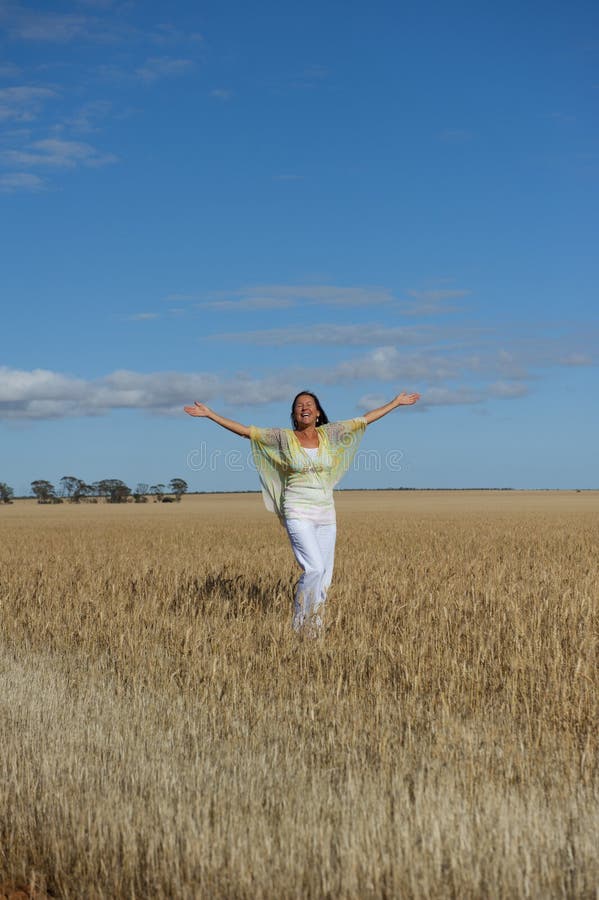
x=314 y=549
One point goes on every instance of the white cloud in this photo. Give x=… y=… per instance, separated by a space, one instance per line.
x=26 y=24
x=371 y=401
x=312 y=76
x=9 y=70
x=249 y=303
x=21 y=181
x=576 y=359
x=326 y=294
x=392 y=364
x=180 y=298
x=444 y=396
x=90 y=24
x=287 y=295
x=510 y=366
x=142 y=317
x=434 y=296
x=424 y=302
x=30 y=25
x=43 y=394
x=221 y=94
x=163 y=67
x=344 y=335
x=85 y=118
x=432 y=364
x=23 y=103
x=508 y=389
x=167 y=33
x=19 y=386
x=445 y=375
x=432 y=302
x=58 y=154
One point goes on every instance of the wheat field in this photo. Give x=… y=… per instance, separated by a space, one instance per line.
x=165 y=734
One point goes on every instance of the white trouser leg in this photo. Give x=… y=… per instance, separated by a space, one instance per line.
x=314 y=549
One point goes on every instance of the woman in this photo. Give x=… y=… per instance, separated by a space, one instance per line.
x=298 y=470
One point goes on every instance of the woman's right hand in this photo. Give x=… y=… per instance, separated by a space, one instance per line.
x=198 y=409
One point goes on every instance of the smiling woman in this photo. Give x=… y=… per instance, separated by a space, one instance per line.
x=298 y=470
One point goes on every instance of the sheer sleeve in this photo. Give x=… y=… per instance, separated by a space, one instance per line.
x=343 y=439
x=345 y=432
x=269 y=458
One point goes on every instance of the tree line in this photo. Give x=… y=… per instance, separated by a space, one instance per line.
x=111 y=490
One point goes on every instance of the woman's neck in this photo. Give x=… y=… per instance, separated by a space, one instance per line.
x=308 y=437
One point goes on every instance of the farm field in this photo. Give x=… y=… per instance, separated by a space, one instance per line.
x=165 y=734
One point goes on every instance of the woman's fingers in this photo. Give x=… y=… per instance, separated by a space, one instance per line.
x=407 y=399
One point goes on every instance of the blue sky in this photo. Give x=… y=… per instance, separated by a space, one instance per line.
x=231 y=202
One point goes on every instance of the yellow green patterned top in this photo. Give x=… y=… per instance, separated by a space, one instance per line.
x=297 y=484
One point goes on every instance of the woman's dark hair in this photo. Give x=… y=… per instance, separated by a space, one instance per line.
x=322 y=416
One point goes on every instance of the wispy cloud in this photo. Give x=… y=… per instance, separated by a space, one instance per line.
x=458 y=396
x=288 y=295
x=508 y=389
x=93 y=22
x=90 y=23
x=58 y=154
x=154 y=53
x=44 y=394
x=432 y=302
x=247 y=304
x=371 y=401
x=221 y=94
x=576 y=359
x=444 y=378
x=392 y=364
x=86 y=118
x=560 y=117
x=143 y=317
x=344 y=335
x=21 y=181
x=23 y=103
x=168 y=33
x=310 y=77
x=163 y=67
x=181 y=298
x=48 y=27
x=9 y=70
x=284 y=296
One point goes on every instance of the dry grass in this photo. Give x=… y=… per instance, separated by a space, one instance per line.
x=166 y=735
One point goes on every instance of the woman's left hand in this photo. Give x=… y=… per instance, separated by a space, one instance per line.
x=404 y=399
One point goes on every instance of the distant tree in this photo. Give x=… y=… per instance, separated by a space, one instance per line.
x=44 y=491
x=114 y=490
x=178 y=487
x=158 y=491
x=92 y=492
x=100 y=488
x=140 y=492
x=73 y=488
x=6 y=493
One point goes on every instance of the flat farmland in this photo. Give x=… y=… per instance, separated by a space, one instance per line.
x=165 y=734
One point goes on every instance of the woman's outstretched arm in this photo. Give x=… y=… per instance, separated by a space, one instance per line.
x=200 y=409
x=402 y=399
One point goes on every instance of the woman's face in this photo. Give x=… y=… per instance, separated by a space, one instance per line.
x=305 y=411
